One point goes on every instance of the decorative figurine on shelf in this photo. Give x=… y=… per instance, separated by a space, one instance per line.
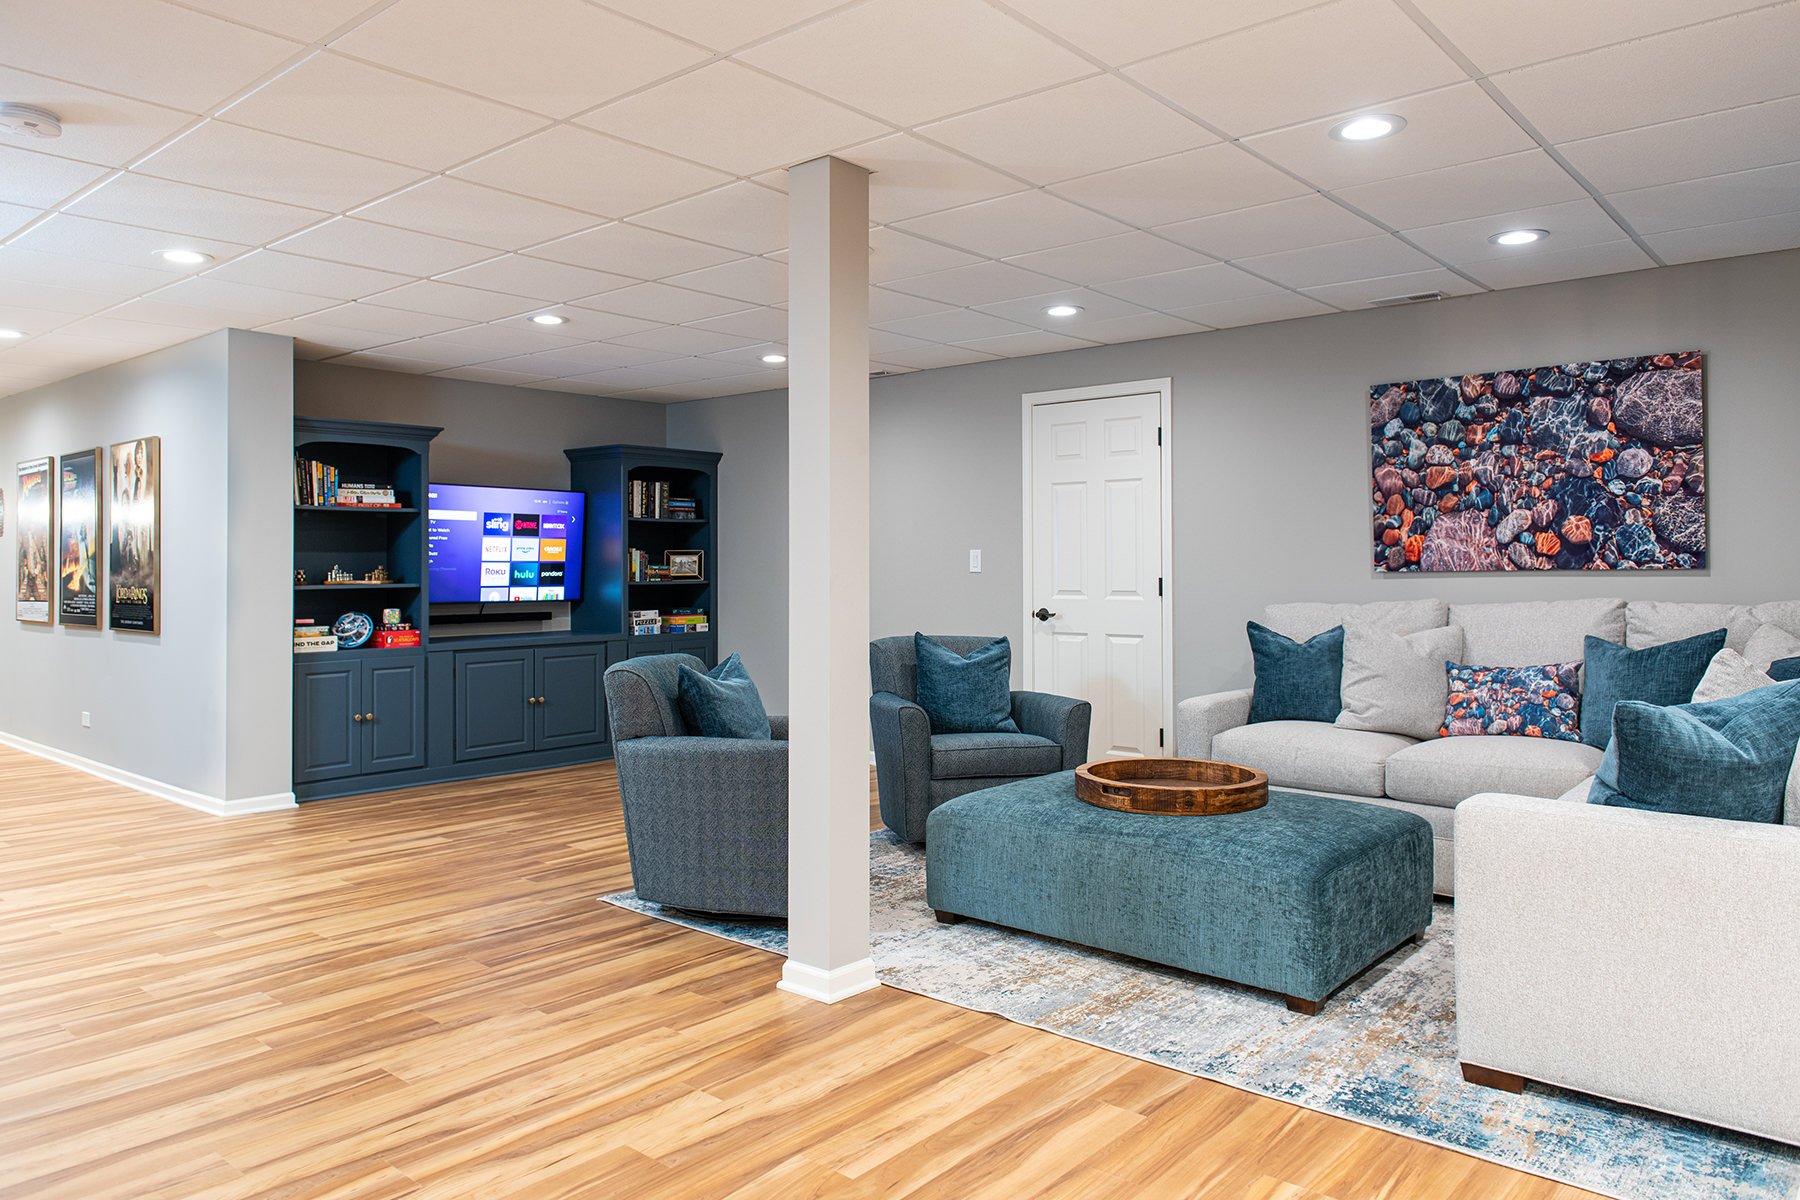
x=390 y=616
x=352 y=629
x=299 y=578
x=337 y=574
x=378 y=575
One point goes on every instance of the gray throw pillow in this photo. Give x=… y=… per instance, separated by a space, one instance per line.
x=1397 y=683
x=1769 y=644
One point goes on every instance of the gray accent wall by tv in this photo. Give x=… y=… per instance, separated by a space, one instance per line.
x=200 y=712
x=1271 y=459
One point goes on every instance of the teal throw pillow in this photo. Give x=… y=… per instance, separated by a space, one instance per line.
x=1784 y=669
x=1666 y=674
x=1727 y=759
x=1296 y=681
x=722 y=703
x=965 y=693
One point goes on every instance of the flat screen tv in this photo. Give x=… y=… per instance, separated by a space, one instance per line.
x=490 y=544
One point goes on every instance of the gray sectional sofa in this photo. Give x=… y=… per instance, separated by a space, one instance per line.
x=1432 y=777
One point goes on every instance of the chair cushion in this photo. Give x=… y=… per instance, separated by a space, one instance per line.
x=1665 y=674
x=966 y=691
x=1312 y=755
x=1533 y=702
x=1449 y=770
x=969 y=755
x=723 y=703
x=1304 y=620
x=1296 y=681
x=1394 y=683
x=1527 y=633
x=1727 y=759
x=1657 y=622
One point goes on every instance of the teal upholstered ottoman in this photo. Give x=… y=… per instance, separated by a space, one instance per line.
x=1297 y=897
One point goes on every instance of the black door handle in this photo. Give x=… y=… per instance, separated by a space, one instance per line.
x=1044 y=614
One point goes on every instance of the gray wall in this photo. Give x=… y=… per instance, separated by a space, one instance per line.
x=1270 y=460
x=205 y=706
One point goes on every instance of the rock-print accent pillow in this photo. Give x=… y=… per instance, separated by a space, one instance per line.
x=1514 y=701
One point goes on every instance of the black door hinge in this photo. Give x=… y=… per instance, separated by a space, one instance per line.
x=1159 y=585
x=1159 y=739
x=1159 y=435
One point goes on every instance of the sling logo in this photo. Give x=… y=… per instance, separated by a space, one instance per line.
x=497 y=523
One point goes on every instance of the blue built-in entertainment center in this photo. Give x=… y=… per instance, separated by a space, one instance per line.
x=386 y=714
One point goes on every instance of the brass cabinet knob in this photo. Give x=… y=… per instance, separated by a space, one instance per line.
x=541 y=700
x=368 y=716
x=357 y=718
x=531 y=699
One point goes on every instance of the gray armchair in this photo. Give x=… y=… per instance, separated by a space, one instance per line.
x=706 y=819
x=916 y=770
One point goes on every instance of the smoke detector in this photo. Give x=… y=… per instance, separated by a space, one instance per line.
x=25 y=120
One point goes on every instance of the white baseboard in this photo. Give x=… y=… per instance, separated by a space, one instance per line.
x=154 y=787
x=828 y=987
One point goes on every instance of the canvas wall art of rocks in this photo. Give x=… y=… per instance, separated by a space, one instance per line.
x=1588 y=466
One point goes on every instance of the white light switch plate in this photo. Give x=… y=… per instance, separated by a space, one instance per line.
x=975 y=561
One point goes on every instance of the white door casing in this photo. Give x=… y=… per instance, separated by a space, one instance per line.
x=1097 y=551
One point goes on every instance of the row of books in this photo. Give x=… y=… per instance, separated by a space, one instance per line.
x=647 y=621
x=640 y=568
x=317 y=483
x=652 y=498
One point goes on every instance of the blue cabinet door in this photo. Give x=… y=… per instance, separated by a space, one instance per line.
x=700 y=645
x=328 y=740
x=571 y=697
x=394 y=713
x=496 y=710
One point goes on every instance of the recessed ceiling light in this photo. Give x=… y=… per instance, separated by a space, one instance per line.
x=549 y=319
x=10 y=335
x=184 y=258
x=1519 y=237
x=1368 y=128
x=1062 y=310
x=773 y=359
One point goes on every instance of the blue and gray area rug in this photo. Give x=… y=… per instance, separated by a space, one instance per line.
x=1381 y=1052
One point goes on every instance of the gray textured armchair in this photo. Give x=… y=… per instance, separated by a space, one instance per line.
x=916 y=770
x=706 y=819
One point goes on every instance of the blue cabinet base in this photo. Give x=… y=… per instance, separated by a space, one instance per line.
x=518 y=764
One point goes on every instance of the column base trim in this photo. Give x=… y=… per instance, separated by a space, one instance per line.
x=214 y=805
x=828 y=987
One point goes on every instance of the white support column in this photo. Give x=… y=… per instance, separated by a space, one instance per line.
x=828 y=581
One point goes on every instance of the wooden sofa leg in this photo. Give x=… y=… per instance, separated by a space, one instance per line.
x=949 y=918
x=1306 y=1008
x=1504 y=1081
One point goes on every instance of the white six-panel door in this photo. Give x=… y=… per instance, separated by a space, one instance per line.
x=1095 y=521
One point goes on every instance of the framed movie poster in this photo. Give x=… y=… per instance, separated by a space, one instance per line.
x=35 y=564
x=134 y=554
x=78 y=576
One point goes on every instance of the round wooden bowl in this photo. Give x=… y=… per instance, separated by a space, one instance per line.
x=1191 y=787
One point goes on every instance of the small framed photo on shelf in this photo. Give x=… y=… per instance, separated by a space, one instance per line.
x=685 y=564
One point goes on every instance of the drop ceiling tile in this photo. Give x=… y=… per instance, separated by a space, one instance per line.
x=939 y=356
x=1017 y=345
x=313 y=276
x=1300 y=67
x=1742 y=196
x=1310 y=220
x=887 y=306
x=182 y=208
x=133 y=251
x=41 y=180
x=1173 y=291
x=306 y=22
x=98 y=127
x=1580 y=262
x=1738 y=139
x=243 y=300
x=665 y=371
x=450 y=300
x=1573 y=223
x=1139 y=328
x=723 y=24
x=438 y=354
x=352 y=106
x=1095 y=307
x=536 y=278
x=234 y=158
x=1469 y=190
x=1339 y=262
x=1760 y=235
x=730 y=117
x=1195 y=183
x=952 y=325
x=1104 y=260
x=1016 y=224
x=752 y=280
x=127 y=46
x=319 y=338
x=195 y=318
x=17 y=216
x=1498 y=37
x=742 y=215
x=469 y=212
x=740 y=360
x=366 y=244
x=896 y=255
x=1252 y=310
x=140 y=334
x=980 y=283
x=583 y=359
x=936 y=57
x=1737 y=60
x=757 y=324
x=393 y=321
x=555 y=57
x=503 y=340
x=590 y=171
x=33 y=320
x=622 y=249
x=586 y=324
x=883 y=341
x=682 y=340
x=382 y=360
x=911 y=177
x=1155 y=26
x=1443 y=127
x=27 y=274
x=489 y=375
x=53 y=298
x=1359 y=293
x=1080 y=128
x=662 y=302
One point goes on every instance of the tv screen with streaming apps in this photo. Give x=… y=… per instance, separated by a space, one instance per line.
x=503 y=545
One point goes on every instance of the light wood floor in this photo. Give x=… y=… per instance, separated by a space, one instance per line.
x=418 y=994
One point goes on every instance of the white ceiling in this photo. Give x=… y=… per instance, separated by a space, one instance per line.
x=398 y=184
